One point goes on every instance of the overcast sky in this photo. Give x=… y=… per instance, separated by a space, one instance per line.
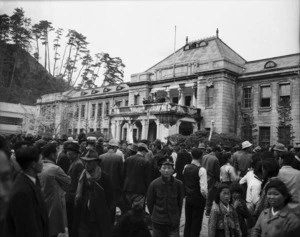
x=142 y=33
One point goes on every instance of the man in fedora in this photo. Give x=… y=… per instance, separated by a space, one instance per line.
x=74 y=172
x=113 y=165
x=242 y=159
x=93 y=200
x=279 y=149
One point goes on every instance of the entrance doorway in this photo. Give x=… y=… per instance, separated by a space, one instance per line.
x=152 y=131
x=186 y=128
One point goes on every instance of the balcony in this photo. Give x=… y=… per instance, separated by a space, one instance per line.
x=157 y=108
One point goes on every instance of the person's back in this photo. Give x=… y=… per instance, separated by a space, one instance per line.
x=113 y=165
x=183 y=158
x=242 y=159
x=137 y=174
x=291 y=178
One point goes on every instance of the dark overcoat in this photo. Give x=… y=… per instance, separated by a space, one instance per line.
x=26 y=214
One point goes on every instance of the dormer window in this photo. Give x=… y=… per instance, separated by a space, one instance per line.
x=202 y=44
x=270 y=64
x=187 y=47
x=193 y=45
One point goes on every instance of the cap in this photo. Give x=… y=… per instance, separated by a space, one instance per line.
x=70 y=139
x=90 y=155
x=157 y=143
x=91 y=139
x=279 y=147
x=133 y=147
x=100 y=139
x=257 y=149
x=246 y=144
x=297 y=145
x=143 y=145
x=72 y=146
x=201 y=146
x=113 y=142
x=165 y=161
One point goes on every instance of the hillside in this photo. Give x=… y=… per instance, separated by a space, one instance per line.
x=22 y=78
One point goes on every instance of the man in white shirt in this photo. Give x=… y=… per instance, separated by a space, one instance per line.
x=195 y=183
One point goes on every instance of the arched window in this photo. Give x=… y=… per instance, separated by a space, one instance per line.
x=270 y=64
x=193 y=45
x=187 y=47
x=202 y=43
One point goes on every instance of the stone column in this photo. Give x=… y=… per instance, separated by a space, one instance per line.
x=130 y=132
x=195 y=127
x=168 y=99
x=180 y=90
x=118 y=130
x=177 y=126
x=113 y=129
x=194 y=98
x=143 y=122
x=157 y=128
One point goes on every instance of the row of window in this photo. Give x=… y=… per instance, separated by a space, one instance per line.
x=11 y=120
x=284 y=134
x=284 y=95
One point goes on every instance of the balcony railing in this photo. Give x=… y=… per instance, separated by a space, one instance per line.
x=156 y=108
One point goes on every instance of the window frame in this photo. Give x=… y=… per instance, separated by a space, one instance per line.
x=278 y=94
x=260 y=96
x=251 y=98
x=207 y=104
x=93 y=111
x=100 y=110
x=260 y=135
x=82 y=111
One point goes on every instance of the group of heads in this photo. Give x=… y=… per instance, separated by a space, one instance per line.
x=277 y=193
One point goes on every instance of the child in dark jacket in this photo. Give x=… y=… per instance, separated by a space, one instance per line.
x=239 y=204
x=164 y=201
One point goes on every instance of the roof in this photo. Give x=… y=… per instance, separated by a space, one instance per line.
x=281 y=62
x=215 y=49
x=17 y=108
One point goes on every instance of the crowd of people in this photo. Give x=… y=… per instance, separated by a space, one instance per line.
x=91 y=188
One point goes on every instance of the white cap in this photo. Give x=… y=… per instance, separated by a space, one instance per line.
x=246 y=144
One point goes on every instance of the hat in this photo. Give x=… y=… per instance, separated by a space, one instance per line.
x=40 y=144
x=297 y=145
x=133 y=147
x=100 y=139
x=246 y=144
x=113 y=142
x=165 y=161
x=90 y=155
x=91 y=139
x=257 y=149
x=279 y=147
x=157 y=143
x=72 y=146
x=143 y=145
x=201 y=146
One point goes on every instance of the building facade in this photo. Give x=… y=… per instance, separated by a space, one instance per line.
x=203 y=85
x=17 y=118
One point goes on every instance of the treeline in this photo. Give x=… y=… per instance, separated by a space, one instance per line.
x=65 y=58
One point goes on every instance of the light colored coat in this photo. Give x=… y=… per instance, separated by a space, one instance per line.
x=279 y=225
x=291 y=178
x=54 y=183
